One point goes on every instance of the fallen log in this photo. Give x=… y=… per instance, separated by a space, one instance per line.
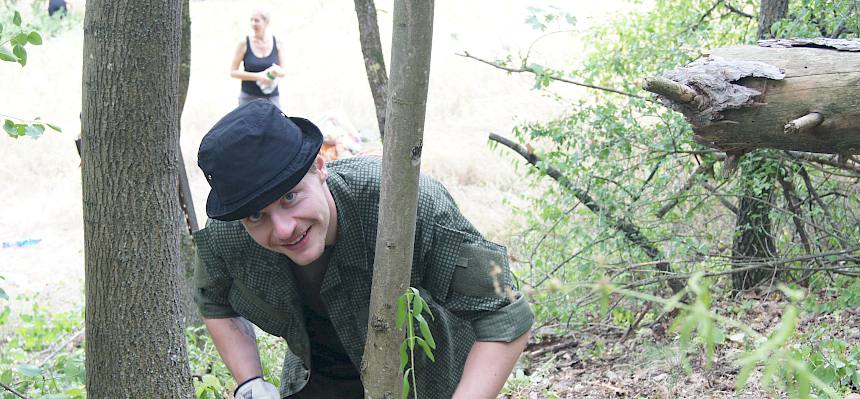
x=800 y=95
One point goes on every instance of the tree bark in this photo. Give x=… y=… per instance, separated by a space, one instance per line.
x=749 y=97
x=187 y=249
x=770 y=11
x=374 y=59
x=753 y=239
x=135 y=347
x=401 y=162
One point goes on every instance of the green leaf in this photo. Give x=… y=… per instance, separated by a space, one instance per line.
x=28 y=370
x=10 y=128
x=401 y=311
x=427 y=350
x=16 y=19
x=3 y=294
x=35 y=131
x=417 y=304
x=20 y=38
x=55 y=127
x=405 y=391
x=19 y=52
x=7 y=55
x=34 y=38
x=404 y=357
x=425 y=330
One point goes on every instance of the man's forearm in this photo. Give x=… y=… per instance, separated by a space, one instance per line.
x=487 y=368
x=237 y=344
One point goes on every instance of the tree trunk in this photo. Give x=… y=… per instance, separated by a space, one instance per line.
x=753 y=239
x=401 y=162
x=770 y=11
x=374 y=60
x=135 y=347
x=187 y=250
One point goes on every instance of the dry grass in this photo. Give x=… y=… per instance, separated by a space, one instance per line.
x=41 y=191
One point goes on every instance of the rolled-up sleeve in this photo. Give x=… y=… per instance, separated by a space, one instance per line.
x=469 y=275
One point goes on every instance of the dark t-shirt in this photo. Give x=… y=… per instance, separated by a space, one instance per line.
x=253 y=63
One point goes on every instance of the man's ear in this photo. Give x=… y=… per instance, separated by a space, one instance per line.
x=320 y=164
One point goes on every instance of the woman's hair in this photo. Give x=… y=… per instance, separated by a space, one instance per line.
x=262 y=13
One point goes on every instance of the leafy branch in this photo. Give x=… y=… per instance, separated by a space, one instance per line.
x=410 y=307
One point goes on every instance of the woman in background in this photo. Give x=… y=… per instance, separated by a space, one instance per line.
x=261 y=63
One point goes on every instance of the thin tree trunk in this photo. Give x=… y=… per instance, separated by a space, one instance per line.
x=401 y=162
x=135 y=347
x=770 y=12
x=374 y=60
x=753 y=238
x=188 y=252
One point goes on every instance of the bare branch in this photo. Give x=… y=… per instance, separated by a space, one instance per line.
x=526 y=69
x=737 y=11
x=630 y=231
x=14 y=392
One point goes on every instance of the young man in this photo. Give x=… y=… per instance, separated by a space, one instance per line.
x=291 y=250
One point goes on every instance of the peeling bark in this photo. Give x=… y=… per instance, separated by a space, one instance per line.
x=749 y=97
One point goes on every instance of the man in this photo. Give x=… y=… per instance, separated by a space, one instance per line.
x=291 y=250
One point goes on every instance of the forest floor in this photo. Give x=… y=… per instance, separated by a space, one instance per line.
x=42 y=252
x=606 y=361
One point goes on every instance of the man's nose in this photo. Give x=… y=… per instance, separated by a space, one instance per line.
x=283 y=225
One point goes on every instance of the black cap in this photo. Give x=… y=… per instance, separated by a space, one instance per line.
x=253 y=156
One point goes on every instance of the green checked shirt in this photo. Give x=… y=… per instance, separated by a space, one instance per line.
x=463 y=278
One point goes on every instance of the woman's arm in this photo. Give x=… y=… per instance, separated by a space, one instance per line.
x=237 y=344
x=487 y=368
x=237 y=73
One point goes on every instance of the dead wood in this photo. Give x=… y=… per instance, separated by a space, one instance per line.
x=798 y=95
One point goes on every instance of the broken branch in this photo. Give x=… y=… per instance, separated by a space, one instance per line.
x=804 y=124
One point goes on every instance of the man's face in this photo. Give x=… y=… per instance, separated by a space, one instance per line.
x=301 y=223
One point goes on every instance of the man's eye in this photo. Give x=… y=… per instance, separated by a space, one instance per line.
x=255 y=217
x=290 y=197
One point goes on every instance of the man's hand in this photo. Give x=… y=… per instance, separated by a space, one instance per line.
x=256 y=388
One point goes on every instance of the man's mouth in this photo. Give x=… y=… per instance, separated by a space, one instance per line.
x=298 y=239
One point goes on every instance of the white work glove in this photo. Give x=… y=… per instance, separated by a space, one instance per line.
x=256 y=388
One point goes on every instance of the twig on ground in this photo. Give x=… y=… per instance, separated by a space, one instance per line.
x=61 y=347
x=554 y=348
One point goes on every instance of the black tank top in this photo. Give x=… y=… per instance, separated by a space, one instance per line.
x=257 y=64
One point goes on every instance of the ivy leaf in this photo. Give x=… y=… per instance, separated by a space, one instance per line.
x=34 y=131
x=10 y=128
x=16 y=19
x=34 y=38
x=7 y=55
x=19 y=52
x=28 y=370
x=21 y=38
